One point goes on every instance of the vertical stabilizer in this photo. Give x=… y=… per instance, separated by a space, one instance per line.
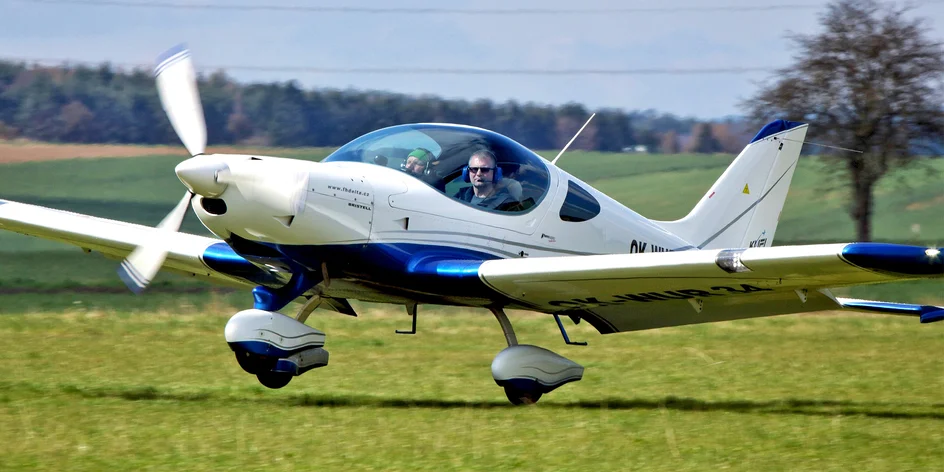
x=743 y=206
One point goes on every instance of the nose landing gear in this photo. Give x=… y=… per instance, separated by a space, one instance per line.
x=274 y=347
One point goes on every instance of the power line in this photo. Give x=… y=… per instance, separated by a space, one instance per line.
x=450 y=11
x=415 y=70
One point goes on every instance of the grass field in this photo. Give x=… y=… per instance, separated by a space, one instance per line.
x=100 y=390
x=95 y=378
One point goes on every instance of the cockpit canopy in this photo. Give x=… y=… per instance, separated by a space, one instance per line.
x=440 y=157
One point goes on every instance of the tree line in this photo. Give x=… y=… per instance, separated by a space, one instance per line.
x=102 y=104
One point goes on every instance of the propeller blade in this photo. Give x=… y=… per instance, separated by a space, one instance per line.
x=177 y=87
x=143 y=263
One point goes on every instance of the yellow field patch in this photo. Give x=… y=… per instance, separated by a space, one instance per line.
x=28 y=151
x=939 y=200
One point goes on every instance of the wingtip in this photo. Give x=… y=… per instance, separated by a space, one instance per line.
x=895 y=258
x=933 y=317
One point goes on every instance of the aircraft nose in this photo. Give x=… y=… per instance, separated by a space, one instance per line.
x=202 y=175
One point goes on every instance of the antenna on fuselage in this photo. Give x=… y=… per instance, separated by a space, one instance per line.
x=572 y=139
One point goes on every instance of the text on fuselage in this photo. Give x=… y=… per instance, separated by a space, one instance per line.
x=349 y=190
x=636 y=247
x=647 y=297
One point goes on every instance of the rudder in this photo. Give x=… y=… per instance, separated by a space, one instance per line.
x=742 y=208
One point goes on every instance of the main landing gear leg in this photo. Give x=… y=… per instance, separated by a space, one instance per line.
x=527 y=372
x=315 y=299
x=309 y=306
x=505 y=325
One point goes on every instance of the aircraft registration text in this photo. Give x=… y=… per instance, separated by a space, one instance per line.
x=646 y=297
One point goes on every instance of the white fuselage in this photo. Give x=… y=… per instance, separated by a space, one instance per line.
x=348 y=203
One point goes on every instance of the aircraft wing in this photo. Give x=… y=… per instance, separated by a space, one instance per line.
x=187 y=253
x=628 y=292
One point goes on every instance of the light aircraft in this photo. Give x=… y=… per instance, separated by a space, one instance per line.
x=364 y=224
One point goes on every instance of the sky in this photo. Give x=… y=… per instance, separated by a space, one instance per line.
x=746 y=35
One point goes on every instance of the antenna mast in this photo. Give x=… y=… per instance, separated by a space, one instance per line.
x=572 y=139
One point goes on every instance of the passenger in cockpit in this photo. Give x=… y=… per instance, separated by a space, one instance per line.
x=485 y=175
x=421 y=164
x=418 y=161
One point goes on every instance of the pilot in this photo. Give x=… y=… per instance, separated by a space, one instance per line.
x=485 y=176
x=418 y=161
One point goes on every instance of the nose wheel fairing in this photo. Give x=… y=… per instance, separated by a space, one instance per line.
x=274 y=347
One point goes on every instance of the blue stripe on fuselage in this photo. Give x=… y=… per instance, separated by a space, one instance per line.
x=222 y=258
x=440 y=271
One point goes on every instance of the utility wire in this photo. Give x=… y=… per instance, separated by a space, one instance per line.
x=413 y=70
x=451 y=11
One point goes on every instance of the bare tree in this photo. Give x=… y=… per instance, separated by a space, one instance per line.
x=732 y=136
x=669 y=143
x=703 y=140
x=871 y=81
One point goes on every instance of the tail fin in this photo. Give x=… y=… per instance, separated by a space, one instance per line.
x=743 y=206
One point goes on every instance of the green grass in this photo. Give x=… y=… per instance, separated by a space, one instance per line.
x=99 y=390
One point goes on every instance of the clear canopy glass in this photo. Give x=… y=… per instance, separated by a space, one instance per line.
x=440 y=157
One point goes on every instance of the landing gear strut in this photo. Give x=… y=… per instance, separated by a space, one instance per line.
x=527 y=372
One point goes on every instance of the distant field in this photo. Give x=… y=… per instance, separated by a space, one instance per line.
x=28 y=151
x=667 y=187
x=109 y=390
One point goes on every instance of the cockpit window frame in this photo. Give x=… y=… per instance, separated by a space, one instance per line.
x=579 y=204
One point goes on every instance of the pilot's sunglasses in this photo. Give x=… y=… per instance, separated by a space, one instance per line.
x=481 y=170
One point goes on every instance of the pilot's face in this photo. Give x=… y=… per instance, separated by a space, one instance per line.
x=414 y=165
x=481 y=171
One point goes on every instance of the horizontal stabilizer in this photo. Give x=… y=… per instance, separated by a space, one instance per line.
x=927 y=313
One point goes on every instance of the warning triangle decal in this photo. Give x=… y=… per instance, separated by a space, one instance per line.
x=746 y=190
